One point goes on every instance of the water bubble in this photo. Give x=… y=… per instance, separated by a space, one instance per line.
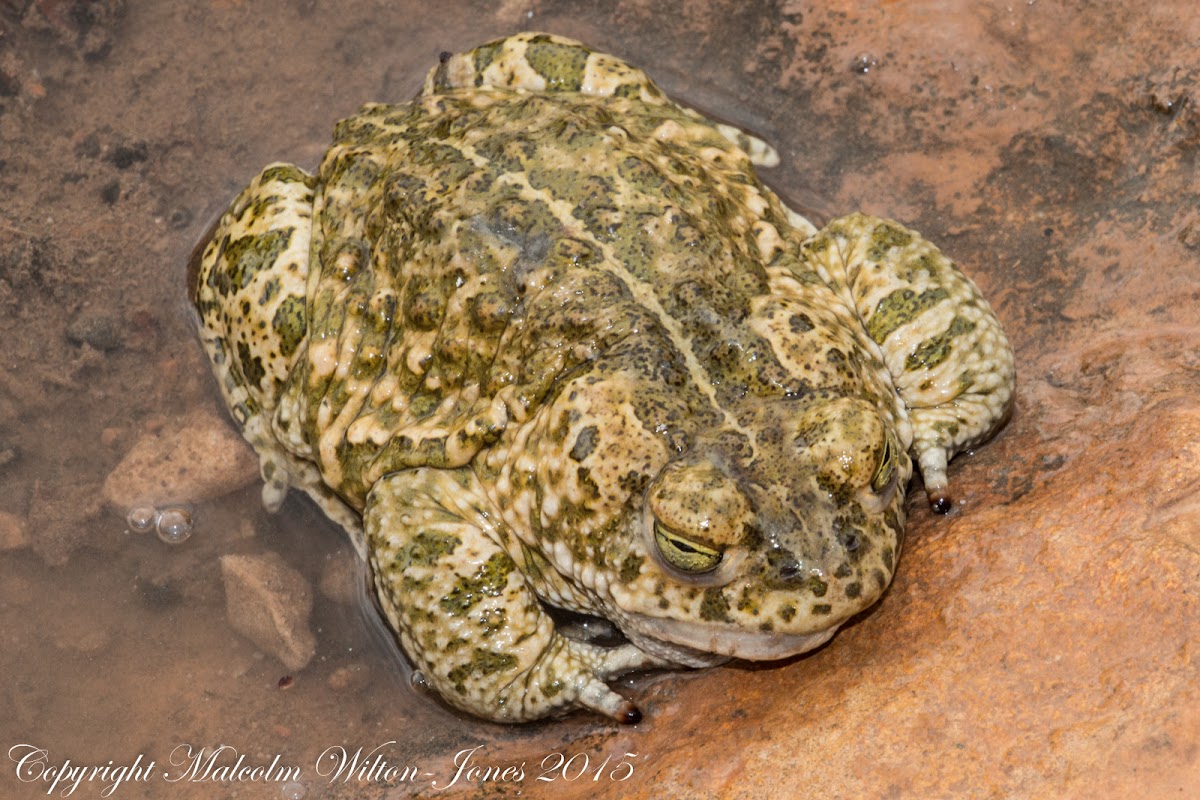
x=419 y=681
x=174 y=525
x=141 y=519
x=293 y=790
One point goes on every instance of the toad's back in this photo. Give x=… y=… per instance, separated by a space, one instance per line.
x=476 y=246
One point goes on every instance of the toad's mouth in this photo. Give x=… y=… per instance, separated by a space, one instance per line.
x=702 y=639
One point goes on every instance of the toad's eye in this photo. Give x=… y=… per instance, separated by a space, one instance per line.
x=684 y=554
x=887 y=468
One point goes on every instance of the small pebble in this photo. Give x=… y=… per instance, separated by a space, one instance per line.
x=341 y=580
x=99 y=330
x=14 y=532
x=8 y=454
x=346 y=677
x=174 y=525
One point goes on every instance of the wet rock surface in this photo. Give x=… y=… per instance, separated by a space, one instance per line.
x=1040 y=641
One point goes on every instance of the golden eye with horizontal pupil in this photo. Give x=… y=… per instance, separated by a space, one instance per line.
x=887 y=468
x=685 y=554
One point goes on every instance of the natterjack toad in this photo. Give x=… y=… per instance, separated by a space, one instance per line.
x=542 y=337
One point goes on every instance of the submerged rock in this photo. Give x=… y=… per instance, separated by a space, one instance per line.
x=199 y=458
x=65 y=516
x=341 y=580
x=14 y=534
x=269 y=603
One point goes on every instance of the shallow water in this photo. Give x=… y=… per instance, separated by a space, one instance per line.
x=1050 y=147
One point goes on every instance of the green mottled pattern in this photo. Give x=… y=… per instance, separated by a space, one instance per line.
x=561 y=65
x=289 y=324
x=247 y=255
x=900 y=308
x=885 y=237
x=541 y=336
x=425 y=527
x=933 y=351
x=287 y=173
x=488 y=581
x=654 y=226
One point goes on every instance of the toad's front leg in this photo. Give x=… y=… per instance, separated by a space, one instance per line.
x=465 y=613
x=943 y=346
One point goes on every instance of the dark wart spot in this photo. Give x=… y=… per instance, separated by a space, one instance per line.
x=633 y=482
x=269 y=291
x=585 y=443
x=888 y=557
x=880 y=578
x=850 y=541
x=289 y=324
x=714 y=607
x=252 y=368
x=884 y=238
x=800 y=323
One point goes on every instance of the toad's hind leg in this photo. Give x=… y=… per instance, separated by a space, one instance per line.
x=248 y=286
x=465 y=613
x=542 y=62
x=943 y=346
